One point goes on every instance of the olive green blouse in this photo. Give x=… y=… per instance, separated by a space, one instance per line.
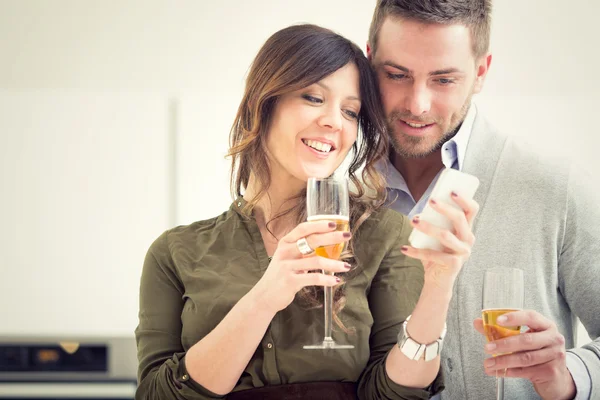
x=193 y=275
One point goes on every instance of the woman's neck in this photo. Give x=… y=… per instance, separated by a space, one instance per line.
x=276 y=200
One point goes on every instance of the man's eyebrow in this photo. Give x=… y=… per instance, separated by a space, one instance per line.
x=443 y=71
x=397 y=66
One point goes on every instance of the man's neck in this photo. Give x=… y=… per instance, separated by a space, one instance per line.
x=418 y=173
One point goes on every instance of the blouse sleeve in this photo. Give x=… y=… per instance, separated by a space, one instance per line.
x=394 y=293
x=161 y=357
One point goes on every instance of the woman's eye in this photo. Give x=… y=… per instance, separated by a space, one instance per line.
x=312 y=99
x=351 y=114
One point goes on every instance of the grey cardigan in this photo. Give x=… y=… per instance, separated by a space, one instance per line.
x=541 y=214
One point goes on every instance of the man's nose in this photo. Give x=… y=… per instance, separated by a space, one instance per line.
x=418 y=101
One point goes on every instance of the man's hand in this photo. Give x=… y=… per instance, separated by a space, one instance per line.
x=538 y=355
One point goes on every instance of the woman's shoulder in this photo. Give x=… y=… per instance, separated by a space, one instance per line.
x=383 y=230
x=385 y=219
x=190 y=235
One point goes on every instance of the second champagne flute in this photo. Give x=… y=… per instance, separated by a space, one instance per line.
x=502 y=293
x=327 y=199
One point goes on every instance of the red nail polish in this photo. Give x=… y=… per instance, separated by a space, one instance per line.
x=347 y=266
x=453 y=194
x=415 y=221
x=332 y=224
x=347 y=234
x=404 y=248
x=338 y=280
x=432 y=201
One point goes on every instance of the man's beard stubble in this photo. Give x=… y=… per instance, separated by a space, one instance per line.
x=411 y=143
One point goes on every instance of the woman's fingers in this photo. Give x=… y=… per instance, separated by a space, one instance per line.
x=446 y=238
x=316 y=279
x=457 y=217
x=469 y=206
x=327 y=239
x=322 y=235
x=317 y=263
x=305 y=229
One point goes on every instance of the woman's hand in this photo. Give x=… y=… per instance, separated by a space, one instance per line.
x=442 y=267
x=288 y=271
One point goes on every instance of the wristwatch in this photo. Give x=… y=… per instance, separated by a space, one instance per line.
x=415 y=350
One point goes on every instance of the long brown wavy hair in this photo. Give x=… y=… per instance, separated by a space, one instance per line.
x=292 y=59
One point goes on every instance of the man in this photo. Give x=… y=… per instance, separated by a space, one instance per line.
x=431 y=57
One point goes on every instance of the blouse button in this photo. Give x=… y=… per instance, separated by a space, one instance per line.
x=239 y=203
x=185 y=377
x=269 y=345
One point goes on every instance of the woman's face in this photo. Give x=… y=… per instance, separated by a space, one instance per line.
x=313 y=129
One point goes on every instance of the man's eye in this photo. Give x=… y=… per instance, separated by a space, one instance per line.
x=445 y=81
x=312 y=99
x=395 y=76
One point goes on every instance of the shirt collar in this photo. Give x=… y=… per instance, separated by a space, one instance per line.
x=453 y=151
x=393 y=178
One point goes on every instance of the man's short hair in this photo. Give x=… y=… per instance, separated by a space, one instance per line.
x=474 y=14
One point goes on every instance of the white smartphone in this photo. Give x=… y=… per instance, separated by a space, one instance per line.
x=450 y=180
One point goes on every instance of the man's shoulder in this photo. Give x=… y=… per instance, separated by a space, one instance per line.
x=517 y=152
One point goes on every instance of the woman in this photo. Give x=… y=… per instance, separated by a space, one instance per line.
x=226 y=304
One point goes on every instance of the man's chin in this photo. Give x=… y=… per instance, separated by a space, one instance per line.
x=414 y=154
x=412 y=147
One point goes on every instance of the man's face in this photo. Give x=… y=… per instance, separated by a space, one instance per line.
x=427 y=75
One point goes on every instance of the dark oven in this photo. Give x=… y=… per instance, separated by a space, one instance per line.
x=73 y=368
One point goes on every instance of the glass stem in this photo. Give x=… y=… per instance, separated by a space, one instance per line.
x=328 y=312
x=499 y=388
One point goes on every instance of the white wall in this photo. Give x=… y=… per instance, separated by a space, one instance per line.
x=85 y=189
x=114 y=119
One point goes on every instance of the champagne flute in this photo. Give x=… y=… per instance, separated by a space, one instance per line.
x=502 y=293
x=327 y=199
